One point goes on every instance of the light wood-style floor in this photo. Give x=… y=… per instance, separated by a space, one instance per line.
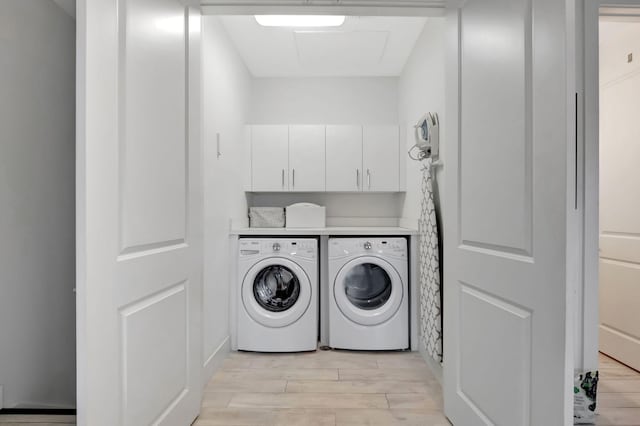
x=618 y=394
x=323 y=388
x=351 y=388
x=36 y=420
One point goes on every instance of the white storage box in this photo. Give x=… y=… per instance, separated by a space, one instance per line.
x=306 y=215
x=266 y=217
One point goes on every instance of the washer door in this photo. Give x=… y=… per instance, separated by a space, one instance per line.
x=276 y=292
x=368 y=290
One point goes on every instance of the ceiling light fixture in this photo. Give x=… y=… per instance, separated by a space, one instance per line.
x=299 y=21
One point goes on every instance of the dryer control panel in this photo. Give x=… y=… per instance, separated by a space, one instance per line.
x=339 y=247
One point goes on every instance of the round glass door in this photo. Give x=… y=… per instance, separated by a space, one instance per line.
x=276 y=288
x=368 y=290
x=367 y=286
x=276 y=292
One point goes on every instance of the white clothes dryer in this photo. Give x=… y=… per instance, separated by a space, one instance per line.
x=368 y=293
x=277 y=295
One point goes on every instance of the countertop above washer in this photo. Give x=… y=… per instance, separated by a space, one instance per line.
x=336 y=230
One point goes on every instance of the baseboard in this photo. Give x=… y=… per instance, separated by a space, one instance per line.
x=620 y=346
x=39 y=411
x=214 y=362
x=434 y=366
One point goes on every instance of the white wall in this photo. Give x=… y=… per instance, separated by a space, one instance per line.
x=333 y=100
x=367 y=100
x=37 y=194
x=382 y=209
x=421 y=90
x=227 y=90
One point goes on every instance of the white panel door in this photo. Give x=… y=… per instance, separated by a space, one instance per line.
x=619 y=218
x=306 y=158
x=380 y=158
x=139 y=192
x=344 y=158
x=505 y=278
x=270 y=158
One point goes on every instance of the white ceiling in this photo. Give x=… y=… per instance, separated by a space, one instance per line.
x=363 y=46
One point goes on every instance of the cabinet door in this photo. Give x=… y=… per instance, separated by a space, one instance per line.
x=269 y=158
x=380 y=158
x=344 y=158
x=306 y=158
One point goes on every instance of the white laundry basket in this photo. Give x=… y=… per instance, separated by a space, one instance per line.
x=306 y=215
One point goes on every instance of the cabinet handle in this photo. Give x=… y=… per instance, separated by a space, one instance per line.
x=283 y=178
x=357 y=178
x=368 y=178
x=294 y=178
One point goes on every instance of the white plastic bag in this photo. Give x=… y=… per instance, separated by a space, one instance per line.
x=585 y=389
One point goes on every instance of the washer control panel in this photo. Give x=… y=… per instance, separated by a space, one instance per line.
x=307 y=248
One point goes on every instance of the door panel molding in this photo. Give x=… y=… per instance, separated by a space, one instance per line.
x=145 y=350
x=495 y=250
x=151 y=249
x=152 y=121
x=511 y=232
x=483 y=337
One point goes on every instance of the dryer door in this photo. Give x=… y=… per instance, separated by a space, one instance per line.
x=276 y=292
x=368 y=290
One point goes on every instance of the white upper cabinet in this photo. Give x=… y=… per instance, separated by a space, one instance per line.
x=344 y=158
x=380 y=158
x=307 y=158
x=318 y=158
x=270 y=158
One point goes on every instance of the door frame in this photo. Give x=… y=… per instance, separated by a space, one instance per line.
x=407 y=8
x=325 y=7
x=587 y=323
x=588 y=292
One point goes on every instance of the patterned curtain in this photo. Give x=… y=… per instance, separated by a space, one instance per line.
x=430 y=301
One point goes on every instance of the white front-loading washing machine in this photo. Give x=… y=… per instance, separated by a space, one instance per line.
x=277 y=295
x=368 y=293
